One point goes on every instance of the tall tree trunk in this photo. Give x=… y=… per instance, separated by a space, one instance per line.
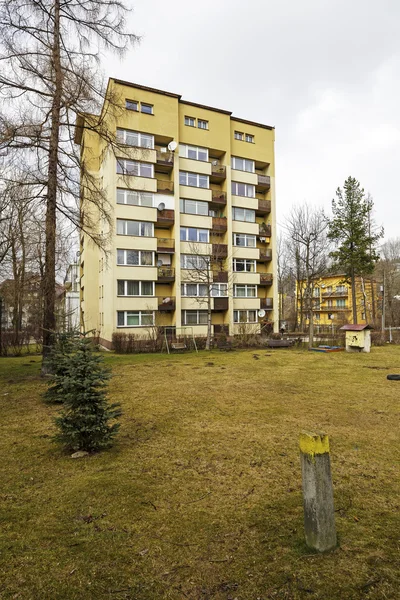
x=209 y=288
x=354 y=297
x=49 y=280
x=373 y=299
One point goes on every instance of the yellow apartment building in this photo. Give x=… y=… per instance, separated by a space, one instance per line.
x=192 y=181
x=333 y=305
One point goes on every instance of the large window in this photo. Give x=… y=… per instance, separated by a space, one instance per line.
x=244 y=265
x=137 y=318
x=193 y=152
x=219 y=290
x=138 y=228
x=192 y=234
x=245 y=316
x=193 y=207
x=245 y=291
x=135 y=138
x=127 y=287
x=341 y=289
x=193 y=179
x=135 y=198
x=243 y=239
x=135 y=258
x=194 y=317
x=244 y=214
x=194 y=290
x=243 y=164
x=193 y=261
x=243 y=189
x=132 y=167
x=341 y=303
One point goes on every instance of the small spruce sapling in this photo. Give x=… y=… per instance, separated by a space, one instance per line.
x=84 y=423
x=65 y=344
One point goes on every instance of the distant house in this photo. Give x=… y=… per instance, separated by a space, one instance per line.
x=72 y=297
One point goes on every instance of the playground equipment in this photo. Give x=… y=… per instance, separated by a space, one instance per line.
x=179 y=339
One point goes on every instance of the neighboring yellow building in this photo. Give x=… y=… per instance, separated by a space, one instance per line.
x=194 y=180
x=332 y=301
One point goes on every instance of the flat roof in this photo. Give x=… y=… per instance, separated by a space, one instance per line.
x=179 y=98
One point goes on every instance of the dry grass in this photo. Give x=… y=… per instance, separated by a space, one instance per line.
x=201 y=496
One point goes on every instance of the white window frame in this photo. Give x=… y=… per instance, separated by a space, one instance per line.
x=247 y=238
x=135 y=168
x=197 y=294
x=185 y=149
x=249 y=137
x=249 y=166
x=238 y=135
x=219 y=290
x=124 y=194
x=340 y=303
x=202 y=121
x=123 y=135
x=197 y=204
x=198 y=313
x=125 y=224
x=131 y=102
x=140 y=252
x=187 y=259
x=126 y=295
x=246 y=261
x=249 y=189
x=247 y=287
x=237 y=314
x=249 y=215
x=198 y=231
x=140 y=313
x=147 y=112
x=341 y=289
x=190 y=121
x=186 y=174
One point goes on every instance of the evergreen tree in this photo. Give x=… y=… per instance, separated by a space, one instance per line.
x=65 y=344
x=84 y=423
x=350 y=229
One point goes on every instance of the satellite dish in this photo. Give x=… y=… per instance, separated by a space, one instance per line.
x=159 y=263
x=262 y=239
x=214 y=163
x=172 y=146
x=261 y=313
x=161 y=206
x=166 y=300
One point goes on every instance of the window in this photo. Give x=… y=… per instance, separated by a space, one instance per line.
x=193 y=179
x=245 y=316
x=244 y=214
x=191 y=234
x=249 y=138
x=127 y=287
x=243 y=189
x=137 y=318
x=193 y=152
x=242 y=239
x=193 y=207
x=238 y=135
x=134 y=198
x=135 y=138
x=190 y=121
x=341 y=289
x=245 y=291
x=131 y=105
x=329 y=289
x=201 y=124
x=193 y=261
x=341 y=303
x=219 y=290
x=138 y=228
x=194 y=317
x=132 y=167
x=146 y=108
x=194 y=289
x=244 y=265
x=135 y=258
x=243 y=164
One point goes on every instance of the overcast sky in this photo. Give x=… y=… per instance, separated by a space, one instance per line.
x=325 y=73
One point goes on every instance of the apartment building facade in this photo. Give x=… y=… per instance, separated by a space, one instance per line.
x=193 y=186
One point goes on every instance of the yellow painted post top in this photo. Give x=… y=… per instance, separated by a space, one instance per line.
x=314 y=443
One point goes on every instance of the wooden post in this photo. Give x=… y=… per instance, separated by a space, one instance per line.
x=319 y=514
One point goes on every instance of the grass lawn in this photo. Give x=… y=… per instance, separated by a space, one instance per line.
x=200 y=498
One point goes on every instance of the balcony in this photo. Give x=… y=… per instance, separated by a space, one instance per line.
x=219 y=251
x=219 y=225
x=267 y=303
x=221 y=304
x=218 y=198
x=334 y=309
x=165 y=187
x=264 y=207
x=266 y=278
x=335 y=294
x=218 y=173
x=264 y=230
x=166 y=245
x=263 y=182
x=164 y=161
x=165 y=218
x=265 y=255
x=220 y=277
x=165 y=274
x=166 y=304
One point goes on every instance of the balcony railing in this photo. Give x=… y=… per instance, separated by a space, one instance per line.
x=218 y=198
x=219 y=251
x=264 y=230
x=263 y=182
x=166 y=304
x=165 y=218
x=165 y=274
x=333 y=308
x=264 y=207
x=166 y=187
x=221 y=304
x=219 y=224
x=166 y=245
x=266 y=278
x=333 y=294
x=265 y=255
x=220 y=276
x=267 y=303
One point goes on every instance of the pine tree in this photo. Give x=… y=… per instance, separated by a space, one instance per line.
x=350 y=229
x=65 y=344
x=84 y=423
